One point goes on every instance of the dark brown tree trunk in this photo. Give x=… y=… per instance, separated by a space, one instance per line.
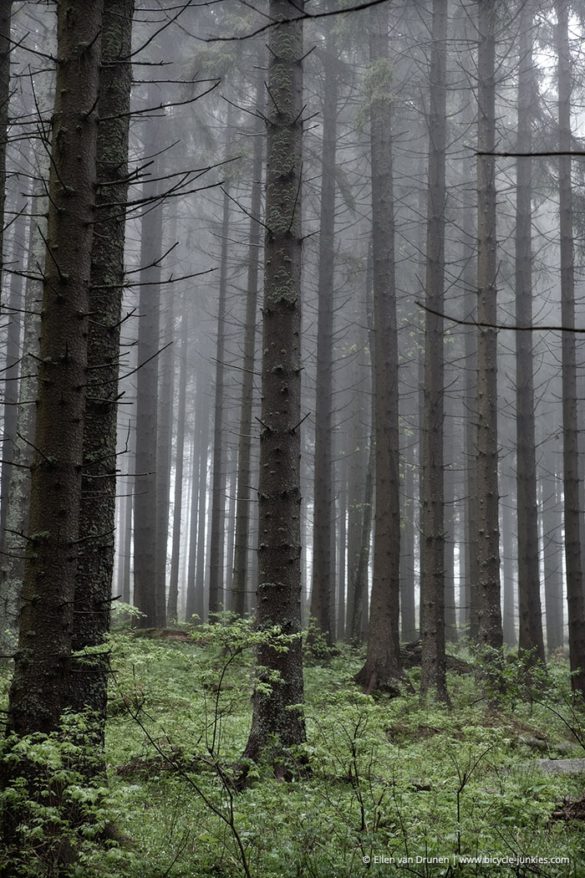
x=530 y=622
x=382 y=667
x=241 y=576
x=432 y=616
x=488 y=530
x=277 y=715
x=571 y=487
x=39 y=691
x=323 y=580
x=87 y=689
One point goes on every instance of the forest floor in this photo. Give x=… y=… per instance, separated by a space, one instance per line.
x=395 y=787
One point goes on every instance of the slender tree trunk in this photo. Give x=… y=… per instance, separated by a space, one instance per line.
x=530 y=621
x=18 y=490
x=341 y=552
x=407 y=561
x=509 y=618
x=39 y=690
x=323 y=580
x=11 y=371
x=164 y=445
x=149 y=596
x=243 y=507
x=172 y=608
x=433 y=668
x=87 y=689
x=382 y=667
x=277 y=716
x=5 y=46
x=552 y=524
x=218 y=485
x=488 y=542
x=571 y=487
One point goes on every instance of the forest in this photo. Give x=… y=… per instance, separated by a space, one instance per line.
x=292 y=438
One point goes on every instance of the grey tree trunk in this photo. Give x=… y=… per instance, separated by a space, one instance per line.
x=149 y=596
x=277 y=717
x=571 y=486
x=39 y=690
x=323 y=580
x=530 y=622
x=433 y=669
x=552 y=524
x=172 y=606
x=164 y=444
x=218 y=484
x=488 y=530
x=382 y=666
x=5 y=46
x=241 y=576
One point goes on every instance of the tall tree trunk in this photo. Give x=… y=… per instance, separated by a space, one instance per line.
x=172 y=607
x=5 y=46
x=433 y=668
x=218 y=484
x=322 y=589
x=164 y=445
x=488 y=542
x=149 y=596
x=530 y=621
x=276 y=714
x=39 y=691
x=382 y=666
x=87 y=689
x=11 y=371
x=571 y=487
x=18 y=489
x=195 y=603
x=243 y=506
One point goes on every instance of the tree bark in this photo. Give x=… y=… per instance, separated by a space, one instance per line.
x=39 y=691
x=571 y=486
x=433 y=668
x=382 y=666
x=530 y=619
x=172 y=606
x=149 y=597
x=488 y=542
x=323 y=579
x=277 y=715
x=5 y=47
x=87 y=689
x=241 y=576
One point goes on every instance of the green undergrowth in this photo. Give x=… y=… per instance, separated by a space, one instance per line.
x=395 y=787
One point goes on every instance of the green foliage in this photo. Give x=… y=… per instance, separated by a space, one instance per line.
x=388 y=777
